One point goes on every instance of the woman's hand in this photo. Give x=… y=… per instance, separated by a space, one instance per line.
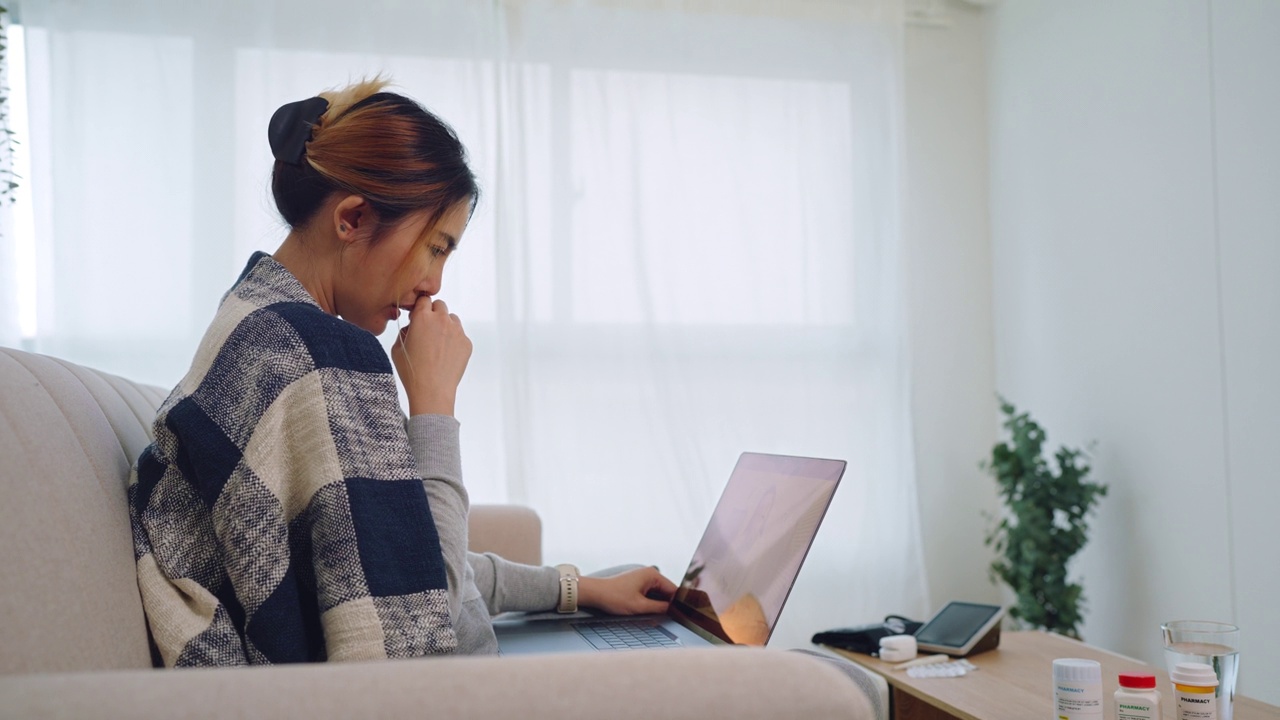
x=635 y=592
x=430 y=356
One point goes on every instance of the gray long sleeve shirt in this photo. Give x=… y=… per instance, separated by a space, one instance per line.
x=480 y=585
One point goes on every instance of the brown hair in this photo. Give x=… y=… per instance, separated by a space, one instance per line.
x=382 y=146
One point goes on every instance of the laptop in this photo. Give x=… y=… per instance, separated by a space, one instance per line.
x=737 y=582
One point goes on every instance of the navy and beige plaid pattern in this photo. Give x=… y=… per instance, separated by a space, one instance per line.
x=279 y=515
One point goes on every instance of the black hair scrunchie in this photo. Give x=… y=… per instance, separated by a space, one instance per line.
x=290 y=128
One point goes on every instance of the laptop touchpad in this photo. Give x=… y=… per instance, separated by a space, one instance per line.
x=552 y=639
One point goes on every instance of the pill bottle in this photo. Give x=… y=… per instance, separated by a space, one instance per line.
x=1137 y=698
x=1077 y=689
x=1195 y=691
x=898 y=648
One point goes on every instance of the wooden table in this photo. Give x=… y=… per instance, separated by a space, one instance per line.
x=1015 y=682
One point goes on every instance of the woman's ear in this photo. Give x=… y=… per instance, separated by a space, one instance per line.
x=350 y=214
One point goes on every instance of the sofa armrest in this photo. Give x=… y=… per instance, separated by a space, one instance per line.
x=748 y=683
x=513 y=532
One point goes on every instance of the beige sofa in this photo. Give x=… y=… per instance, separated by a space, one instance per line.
x=73 y=639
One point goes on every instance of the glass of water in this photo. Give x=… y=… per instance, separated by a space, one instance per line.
x=1213 y=643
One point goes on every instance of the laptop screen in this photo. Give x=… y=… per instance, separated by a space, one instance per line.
x=751 y=551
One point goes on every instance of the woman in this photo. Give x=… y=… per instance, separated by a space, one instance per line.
x=286 y=510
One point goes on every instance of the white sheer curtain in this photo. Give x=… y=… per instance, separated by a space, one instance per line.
x=688 y=244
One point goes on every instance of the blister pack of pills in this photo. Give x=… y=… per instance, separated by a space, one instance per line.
x=955 y=668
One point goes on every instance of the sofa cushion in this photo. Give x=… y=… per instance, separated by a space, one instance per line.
x=694 y=684
x=68 y=435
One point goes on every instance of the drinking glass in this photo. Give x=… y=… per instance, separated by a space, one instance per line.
x=1213 y=643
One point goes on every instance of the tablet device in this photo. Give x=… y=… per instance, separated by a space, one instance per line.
x=959 y=627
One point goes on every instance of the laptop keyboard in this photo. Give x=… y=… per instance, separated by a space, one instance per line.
x=625 y=634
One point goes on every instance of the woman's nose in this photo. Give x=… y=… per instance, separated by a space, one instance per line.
x=430 y=285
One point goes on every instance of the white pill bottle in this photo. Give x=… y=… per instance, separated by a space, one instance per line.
x=1077 y=689
x=1195 y=688
x=1137 y=698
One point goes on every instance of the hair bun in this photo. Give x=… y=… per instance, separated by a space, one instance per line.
x=290 y=128
x=382 y=146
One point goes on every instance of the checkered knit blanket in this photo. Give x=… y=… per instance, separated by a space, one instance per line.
x=279 y=515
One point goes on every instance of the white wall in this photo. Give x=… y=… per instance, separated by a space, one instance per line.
x=950 y=317
x=1246 y=77
x=1135 y=247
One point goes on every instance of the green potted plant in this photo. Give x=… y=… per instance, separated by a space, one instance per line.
x=1044 y=523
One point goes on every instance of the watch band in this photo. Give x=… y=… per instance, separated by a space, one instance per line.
x=568 y=589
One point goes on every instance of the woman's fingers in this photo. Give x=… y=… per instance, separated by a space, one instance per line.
x=639 y=591
x=665 y=586
x=431 y=356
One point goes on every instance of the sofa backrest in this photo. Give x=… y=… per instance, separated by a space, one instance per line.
x=68 y=436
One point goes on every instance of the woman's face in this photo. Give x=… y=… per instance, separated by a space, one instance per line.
x=379 y=280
